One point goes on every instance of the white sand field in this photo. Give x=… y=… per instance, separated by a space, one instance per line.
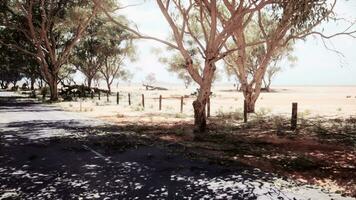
x=326 y=101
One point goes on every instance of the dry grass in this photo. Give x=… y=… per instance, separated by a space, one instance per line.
x=321 y=151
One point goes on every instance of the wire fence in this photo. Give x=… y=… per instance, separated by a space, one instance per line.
x=177 y=102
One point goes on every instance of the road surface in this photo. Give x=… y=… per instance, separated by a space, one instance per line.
x=47 y=153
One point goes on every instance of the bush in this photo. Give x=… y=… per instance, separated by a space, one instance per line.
x=235 y=115
x=44 y=91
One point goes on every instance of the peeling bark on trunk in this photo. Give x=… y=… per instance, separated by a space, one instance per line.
x=199 y=105
x=251 y=102
x=199 y=113
x=53 y=87
x=250 y=97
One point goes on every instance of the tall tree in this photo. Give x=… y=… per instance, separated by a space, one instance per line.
x=86 y=55
x=66 y=75
x=150 y=79
x=211 y=24
x=208 y=36
x=103 y=50
x=277 y=25
x=254 y=54
x=52 y=27
x=112 y=69
x=14 y=63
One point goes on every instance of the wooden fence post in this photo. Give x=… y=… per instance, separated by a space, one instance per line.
x=33 y=95
x=245 y=111
x=82 y=93
x=160 y=102
x=181 y=104
x=129 y=99
x=117 y=98
x=143 y=100
x=208 y=107
x=294 y=116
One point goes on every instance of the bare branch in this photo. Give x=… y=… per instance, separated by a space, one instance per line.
x=137 y=34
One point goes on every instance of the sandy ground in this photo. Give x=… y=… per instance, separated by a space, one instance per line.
x=312 y=102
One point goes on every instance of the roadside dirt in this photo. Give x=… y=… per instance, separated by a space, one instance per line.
x=315 y=154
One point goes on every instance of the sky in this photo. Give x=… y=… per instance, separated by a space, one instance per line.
x=316 y=65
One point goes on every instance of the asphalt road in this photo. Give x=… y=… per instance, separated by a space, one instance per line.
x=47 y=153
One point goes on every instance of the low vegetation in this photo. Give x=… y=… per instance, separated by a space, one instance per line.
x=322 y=151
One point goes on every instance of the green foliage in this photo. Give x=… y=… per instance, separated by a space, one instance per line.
x=138 y=108
x=262 y=112
x=255 y=54
x=51 y=29
x=180 y=115
x=44 y=91
x=66 y=75
x=300 y=14
x=103 y=49
x=14 y=64
x=234 y=115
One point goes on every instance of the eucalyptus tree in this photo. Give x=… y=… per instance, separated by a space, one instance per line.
x=66 y=75
x=175 y=63
x=208 y=36
x=116 y=52
x=52 y=28
x=113 y=69
x=213 y=24
x=102 y=51
x=86 y=55
x=254 y=55
x=276 y=27
x=10 y=71
x=150 y=79
x=274 y=67
x=16 y=64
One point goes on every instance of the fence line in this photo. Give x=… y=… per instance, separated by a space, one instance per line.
x=160 y=98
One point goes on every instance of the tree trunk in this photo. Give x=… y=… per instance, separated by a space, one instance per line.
x=251 y=102
x=199 y=114
x=268 y=86
x=53 y=86
x=33 y=80
x=109 y=86
x=268 y=89
x=40 y=83
x=89 y=80
x=199 y=105
x=250 y=97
